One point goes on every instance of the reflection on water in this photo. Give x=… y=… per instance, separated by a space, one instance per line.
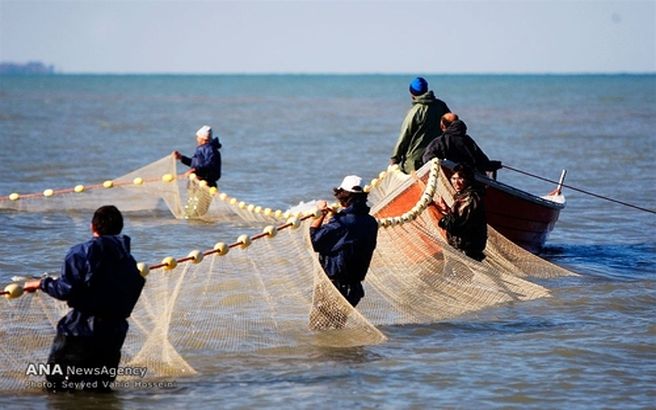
x=630 y=261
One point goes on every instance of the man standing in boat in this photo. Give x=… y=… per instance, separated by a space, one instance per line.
x=420 y=126
x=345 y=245
x=455 y=145
x=101 y=283
x=206 y=162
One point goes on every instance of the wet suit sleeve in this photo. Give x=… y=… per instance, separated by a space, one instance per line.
x=434 y=150
x=327 y=238
x=482 y=159
x=185 y=160
x=71 y=278
x=479 y=158
x=205 y=161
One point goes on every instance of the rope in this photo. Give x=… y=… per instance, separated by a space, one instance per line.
x=83 y=188
x=244 y=241
x=605 y=198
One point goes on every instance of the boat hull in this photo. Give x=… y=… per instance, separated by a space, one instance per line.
x=525 y=223
x=523 y=218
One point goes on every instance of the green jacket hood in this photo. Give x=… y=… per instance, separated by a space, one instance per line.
x=426 y=98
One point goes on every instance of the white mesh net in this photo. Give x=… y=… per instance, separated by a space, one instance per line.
x=269 y=290
x=142 y=189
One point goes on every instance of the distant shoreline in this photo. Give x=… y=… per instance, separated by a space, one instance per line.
x=29 y=68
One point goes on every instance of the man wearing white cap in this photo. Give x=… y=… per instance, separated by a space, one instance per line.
x=347 y=241
x=206 y=162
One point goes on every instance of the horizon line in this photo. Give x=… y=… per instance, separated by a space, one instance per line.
x=327 y=73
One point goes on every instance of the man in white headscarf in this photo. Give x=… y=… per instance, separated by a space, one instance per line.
x=206 y=162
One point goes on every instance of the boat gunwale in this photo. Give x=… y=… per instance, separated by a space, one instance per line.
x=510 y=189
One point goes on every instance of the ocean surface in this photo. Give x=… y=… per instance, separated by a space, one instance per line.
x=288 y=138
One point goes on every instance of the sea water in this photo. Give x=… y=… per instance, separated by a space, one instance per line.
x=291 y=138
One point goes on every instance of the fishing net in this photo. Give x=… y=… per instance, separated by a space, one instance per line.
x=267 y=290
x=143 y=189
x=154 y=186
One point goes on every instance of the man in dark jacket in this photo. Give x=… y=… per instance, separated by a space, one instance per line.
x=420 y=126
x=206 y=162
x=101 y=283
x=455 y=145
x=346 y=242
x=464 y=221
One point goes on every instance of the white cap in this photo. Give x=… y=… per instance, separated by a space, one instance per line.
x=351 y=183
x=204 y=132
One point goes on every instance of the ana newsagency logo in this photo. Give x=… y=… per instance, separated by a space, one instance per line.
x=54 y=369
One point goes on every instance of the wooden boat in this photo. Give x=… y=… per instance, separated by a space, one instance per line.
x=523 y=218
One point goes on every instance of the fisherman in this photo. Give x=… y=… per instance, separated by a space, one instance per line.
x=455 y=145
x=206 y=162
x=465 y=222
x=345 y=243
x=101 y=283
x=420 y=126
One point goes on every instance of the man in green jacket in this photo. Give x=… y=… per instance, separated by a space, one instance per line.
x=420 y=127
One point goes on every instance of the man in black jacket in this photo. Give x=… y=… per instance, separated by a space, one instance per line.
x=464 y=222
x=455 y=145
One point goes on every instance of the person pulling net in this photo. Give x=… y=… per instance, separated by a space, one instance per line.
x=345 y=245
x=101 y=283
x=205 y=166
x=259 y=292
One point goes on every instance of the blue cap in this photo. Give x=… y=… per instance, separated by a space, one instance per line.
x=418 y=86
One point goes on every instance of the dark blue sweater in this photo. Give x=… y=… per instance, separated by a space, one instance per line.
x=346 y=243
x=206 y=161
x=101 y=283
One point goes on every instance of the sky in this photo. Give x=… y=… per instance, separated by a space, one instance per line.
x=311 y=36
